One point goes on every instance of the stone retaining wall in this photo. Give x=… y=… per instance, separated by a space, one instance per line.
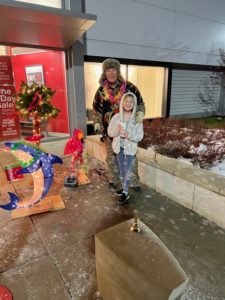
x=194 y=188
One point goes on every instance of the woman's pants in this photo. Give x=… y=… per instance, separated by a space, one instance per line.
x=113 y=167
x=125 y=165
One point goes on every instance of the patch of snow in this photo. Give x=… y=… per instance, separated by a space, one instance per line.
x=202 y=148
x=214 y=138
x=218 y=168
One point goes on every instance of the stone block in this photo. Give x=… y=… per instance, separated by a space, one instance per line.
x=95 y=152
x=210 y=205
x=94 y=138
x=175 y=188
x=89 y=147
x=201 y=177
x=146 y=154
x=99 y=151
x=147 y=174
x=166 y=163
x=135 y=266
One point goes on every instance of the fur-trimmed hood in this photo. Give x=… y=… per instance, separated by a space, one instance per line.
x=134 y=109
x=134 y=129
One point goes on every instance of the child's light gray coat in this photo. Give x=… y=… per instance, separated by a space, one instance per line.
x=134 y=129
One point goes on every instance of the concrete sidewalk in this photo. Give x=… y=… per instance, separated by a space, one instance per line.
x=51 y=255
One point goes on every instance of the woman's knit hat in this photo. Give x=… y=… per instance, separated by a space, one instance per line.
x=107 y=64
x=110 y=63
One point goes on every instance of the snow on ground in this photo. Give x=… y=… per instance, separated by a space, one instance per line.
x=215 y=138
x=218 y=168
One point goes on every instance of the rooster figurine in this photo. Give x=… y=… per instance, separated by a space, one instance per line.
x=74 y=147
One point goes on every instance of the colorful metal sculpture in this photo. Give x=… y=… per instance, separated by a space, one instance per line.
x=74 y=147
x=37 y=163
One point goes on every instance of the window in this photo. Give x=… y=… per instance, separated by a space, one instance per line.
x=51 y=3
x=44 y=67
x=3 y=50
x=92 y=73
x=149 y=80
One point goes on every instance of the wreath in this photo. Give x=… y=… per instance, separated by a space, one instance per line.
x=35 y=100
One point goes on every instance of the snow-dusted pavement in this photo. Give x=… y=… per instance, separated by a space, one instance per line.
x=51 y=255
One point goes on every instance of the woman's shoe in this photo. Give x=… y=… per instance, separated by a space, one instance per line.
x=124 y=198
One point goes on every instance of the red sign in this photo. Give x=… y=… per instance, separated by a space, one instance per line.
x=7 y=99
x=9 y=120
x=9 y=127
x=6 y=74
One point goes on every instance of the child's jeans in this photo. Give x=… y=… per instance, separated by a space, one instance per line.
x=125 y=165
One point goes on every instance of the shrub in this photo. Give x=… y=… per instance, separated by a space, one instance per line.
x=184 y=138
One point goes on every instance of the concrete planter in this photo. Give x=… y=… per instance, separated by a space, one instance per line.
x=135 y=266
x=197 y=189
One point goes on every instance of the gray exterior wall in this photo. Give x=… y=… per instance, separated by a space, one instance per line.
x=159 y=30
x=185 y=93
x=75 y=76
x=176 y=31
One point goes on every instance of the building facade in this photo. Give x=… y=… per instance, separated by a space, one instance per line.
x=181 y=36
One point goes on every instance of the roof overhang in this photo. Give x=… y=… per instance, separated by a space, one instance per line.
x=23 y=24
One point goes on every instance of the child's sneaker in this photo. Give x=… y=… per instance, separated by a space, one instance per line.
x=119 y=192
x=124 y=198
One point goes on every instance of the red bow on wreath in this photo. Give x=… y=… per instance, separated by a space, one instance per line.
x=34 y=102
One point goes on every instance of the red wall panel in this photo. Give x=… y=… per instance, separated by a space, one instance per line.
x=54 y=75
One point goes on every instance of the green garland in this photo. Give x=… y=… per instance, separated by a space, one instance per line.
x=37 y=150
x=35 y=99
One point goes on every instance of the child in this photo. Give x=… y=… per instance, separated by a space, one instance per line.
x=126 y=133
